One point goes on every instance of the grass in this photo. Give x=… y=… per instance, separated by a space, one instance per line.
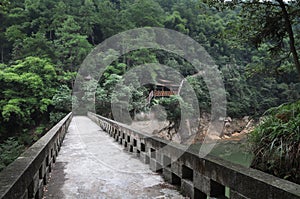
x=276 y=142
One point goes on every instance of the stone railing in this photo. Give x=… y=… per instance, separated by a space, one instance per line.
x=198 y=177
x=27 y=175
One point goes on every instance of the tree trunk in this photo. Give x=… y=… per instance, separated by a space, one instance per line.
x=2 y=55
x=290 y=32
x=50 y=35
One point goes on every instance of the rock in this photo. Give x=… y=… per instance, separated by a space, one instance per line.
x=212 y=137
x=221 y=118
x=246 y=119
x=227 y=124
x=197 y=130
x=238 y=126
x=228 y=119
x=226 y=137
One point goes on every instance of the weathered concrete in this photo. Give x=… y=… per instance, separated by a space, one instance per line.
x=27 y=175
x=92 y=165
x=199 y=177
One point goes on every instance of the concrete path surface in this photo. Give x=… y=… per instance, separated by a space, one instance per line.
x=91 y=165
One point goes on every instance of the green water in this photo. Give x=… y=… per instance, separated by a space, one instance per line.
x=235 y=152
x=232 y=151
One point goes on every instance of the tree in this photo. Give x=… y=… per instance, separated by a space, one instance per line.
x=109 y=20
x=125 y=94
x=287 y=17
x=174 y=107
x=176 y=22
x=87 y=19
x=270 y=22
x=27 y=88
x=43 y=48
x=63 y=99
x=59 y=15
x=72 y=47
x=3 y=6
x=145 y=13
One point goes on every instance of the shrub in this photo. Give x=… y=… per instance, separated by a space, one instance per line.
x=276 y=142
x=9 y=151
x=55 y=117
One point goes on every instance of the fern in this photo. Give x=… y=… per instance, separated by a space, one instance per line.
x=276 y=142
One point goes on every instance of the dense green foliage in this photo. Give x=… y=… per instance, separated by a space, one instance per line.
x=276 y=142
x=273 y=27
x=28 y=86
x=42 y=44
x=9 y=151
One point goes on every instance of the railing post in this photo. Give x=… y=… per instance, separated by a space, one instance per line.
x=154 y=160
x=144 y=155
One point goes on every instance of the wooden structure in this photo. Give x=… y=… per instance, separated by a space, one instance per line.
x=164 y=88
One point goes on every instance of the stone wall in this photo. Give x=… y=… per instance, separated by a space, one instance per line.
x=27 y=175
x=198 y=177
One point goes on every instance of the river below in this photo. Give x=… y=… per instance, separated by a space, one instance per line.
x=232 y=151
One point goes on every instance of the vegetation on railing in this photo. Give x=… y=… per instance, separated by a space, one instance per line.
x=276 y=142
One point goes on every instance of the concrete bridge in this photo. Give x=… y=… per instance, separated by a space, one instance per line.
x=101 y=158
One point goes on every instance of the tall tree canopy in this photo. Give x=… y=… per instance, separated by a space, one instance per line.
x=273 y=22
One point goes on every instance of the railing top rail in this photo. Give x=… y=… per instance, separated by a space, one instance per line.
x=141 y=134
x=145 y=135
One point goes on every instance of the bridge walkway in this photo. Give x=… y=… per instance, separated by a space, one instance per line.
x=91 y=165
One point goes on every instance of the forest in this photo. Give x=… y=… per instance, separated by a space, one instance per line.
x=255 y=45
